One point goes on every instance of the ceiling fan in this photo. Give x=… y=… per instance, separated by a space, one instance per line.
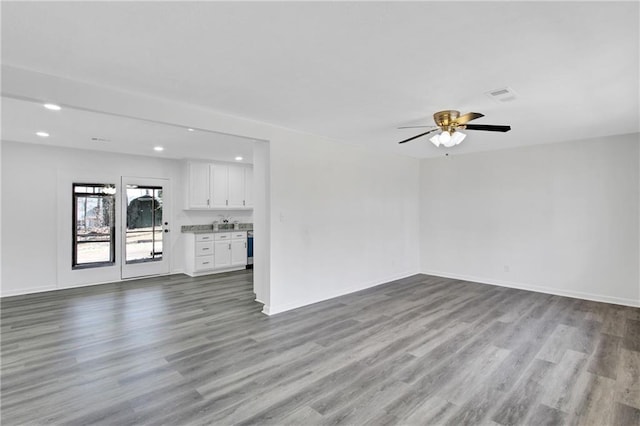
x=450 y=122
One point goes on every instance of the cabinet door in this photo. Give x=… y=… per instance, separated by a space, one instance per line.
x=236 y=186
x=238 y=252
x=198 y=197
x=219 y=185
x=248 y=187
x=222 y=254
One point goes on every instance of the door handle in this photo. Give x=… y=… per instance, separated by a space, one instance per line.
x=166 y=230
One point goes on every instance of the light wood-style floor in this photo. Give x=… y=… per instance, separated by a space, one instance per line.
x=422 y=350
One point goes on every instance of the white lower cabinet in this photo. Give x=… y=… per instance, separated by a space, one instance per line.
x=222 y=254
x=239 y=252
x=203 y=263
x=215 y=252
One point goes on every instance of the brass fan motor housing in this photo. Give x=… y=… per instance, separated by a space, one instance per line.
x=447 y=120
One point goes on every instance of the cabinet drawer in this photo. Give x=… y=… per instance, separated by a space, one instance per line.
x=204 y=263
x=222 y=236
x=204 y=237
x=204 y=248
x=239 y=235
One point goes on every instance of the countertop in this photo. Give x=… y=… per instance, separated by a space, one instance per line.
x=208 y=229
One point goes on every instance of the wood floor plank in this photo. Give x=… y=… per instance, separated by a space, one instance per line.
x=631 y=339
x=594 y=404
x=303 y=416
x=606 y=357
x=562 y=384
x=628 y=378
x=434 y=410
x=544 y=415
x=555 y=347
x=626 y=415
x=524 y=397
x=414 y=351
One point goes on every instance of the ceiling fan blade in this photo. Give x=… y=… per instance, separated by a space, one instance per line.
x=412 y=127
x=463 y=119
x=487 y=127
x=417 y=136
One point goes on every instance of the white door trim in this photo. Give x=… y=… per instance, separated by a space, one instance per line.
x=156 y=267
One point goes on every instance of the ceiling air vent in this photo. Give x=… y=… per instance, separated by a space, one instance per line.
x=505 y=94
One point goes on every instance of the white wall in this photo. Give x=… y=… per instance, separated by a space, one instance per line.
x=562 y=218
x=1 y=146
x=262 y=221
x=343 y=219
x=36 y=215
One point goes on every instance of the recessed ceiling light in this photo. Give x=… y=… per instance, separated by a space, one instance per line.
x=190 y=130
x=158 y=148
x=42 y=134
x=238 y=158
x=52 y=107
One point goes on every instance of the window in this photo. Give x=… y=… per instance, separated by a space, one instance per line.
x=94 y=231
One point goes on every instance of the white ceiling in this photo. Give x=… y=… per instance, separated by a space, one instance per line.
x=75 y=128
x=354 y=71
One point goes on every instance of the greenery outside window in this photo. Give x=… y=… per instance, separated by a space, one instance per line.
x=94 y=231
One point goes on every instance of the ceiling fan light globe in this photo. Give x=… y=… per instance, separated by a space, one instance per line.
x=449 y=144
x=445 y=137
x=458 y=137
x=435 y=140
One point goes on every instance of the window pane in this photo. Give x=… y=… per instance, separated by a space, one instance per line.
x=94 y=231
x=144 y=224
x=94 y=252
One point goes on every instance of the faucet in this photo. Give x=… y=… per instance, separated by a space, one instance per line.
x=225 y=219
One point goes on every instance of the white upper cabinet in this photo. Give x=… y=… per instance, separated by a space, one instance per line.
x=198 y=190
x=248 y=187
x=219 y=186
x=235 y=197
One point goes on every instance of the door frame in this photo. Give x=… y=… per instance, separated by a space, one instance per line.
x=157 y=267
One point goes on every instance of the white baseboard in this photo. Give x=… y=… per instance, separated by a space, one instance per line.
x=20 y=292
x=215 y=271
x=272 y=310
x=26 y=291
x=539 y=289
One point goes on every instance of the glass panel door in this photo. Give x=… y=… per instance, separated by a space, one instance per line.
x=143 y=242
x=145 y=214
